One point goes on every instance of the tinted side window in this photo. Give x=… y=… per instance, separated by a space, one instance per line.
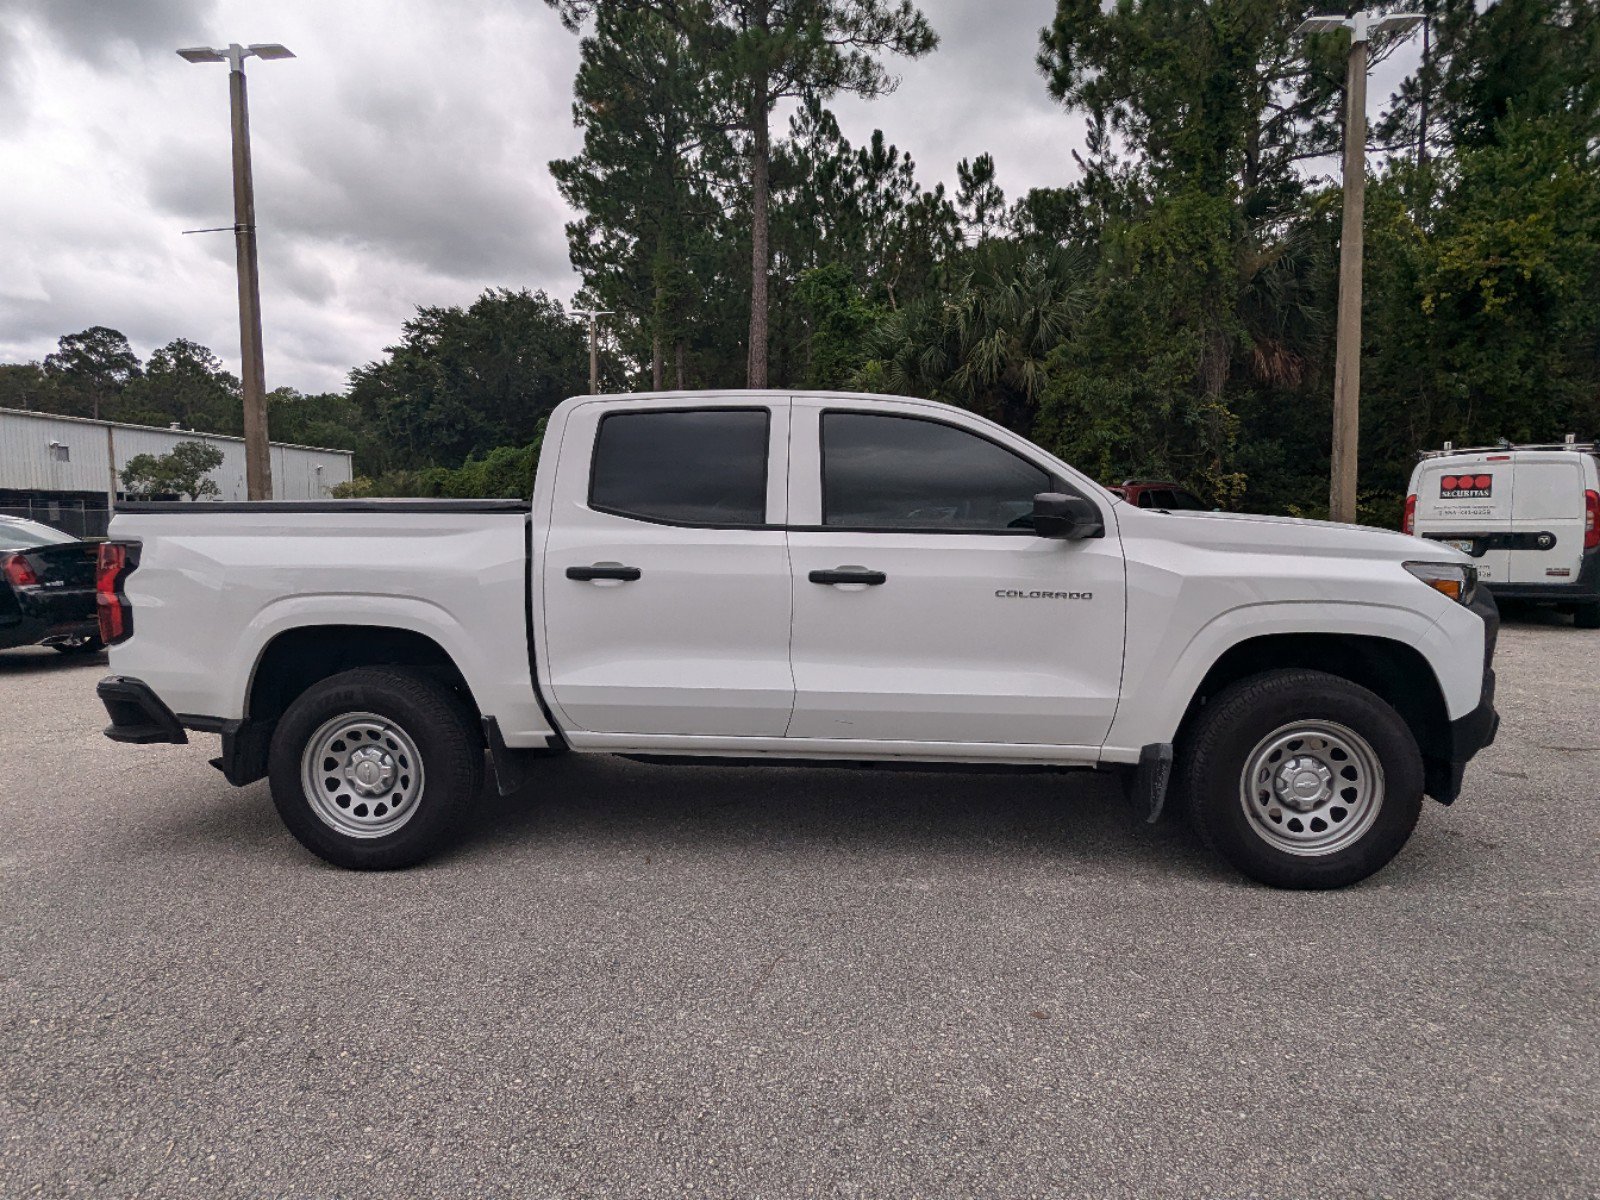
x=883 y=472
x=706 y=467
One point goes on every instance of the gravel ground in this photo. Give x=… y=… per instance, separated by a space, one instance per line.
x=636 y=981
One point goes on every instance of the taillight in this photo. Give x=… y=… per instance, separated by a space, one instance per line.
x=116 y=560
x=1408 y=519
x=19 y=572
x=1591 y=520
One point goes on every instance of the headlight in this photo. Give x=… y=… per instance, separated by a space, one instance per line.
x=1456 y=580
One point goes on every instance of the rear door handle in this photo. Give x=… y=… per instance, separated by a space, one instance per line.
x=849 y=575
x=604 y=571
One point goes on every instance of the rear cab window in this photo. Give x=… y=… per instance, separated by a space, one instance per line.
x=697 y=467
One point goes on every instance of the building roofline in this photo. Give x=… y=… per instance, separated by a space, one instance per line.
x=221 y=437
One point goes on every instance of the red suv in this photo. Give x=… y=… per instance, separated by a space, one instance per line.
x=1160 y=493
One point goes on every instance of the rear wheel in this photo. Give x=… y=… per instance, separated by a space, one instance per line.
x=1302 y=779
x=372 y=769
x=1587 y=616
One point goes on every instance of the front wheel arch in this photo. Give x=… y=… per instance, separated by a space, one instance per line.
x=1396 y=673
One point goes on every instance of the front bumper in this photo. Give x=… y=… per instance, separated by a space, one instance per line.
x=1471 y=733
x=137 y=714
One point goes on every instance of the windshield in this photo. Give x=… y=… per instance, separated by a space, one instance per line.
x=24 y=535
x=1183 y=501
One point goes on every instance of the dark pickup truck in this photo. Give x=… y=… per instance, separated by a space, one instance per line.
x=47 y=589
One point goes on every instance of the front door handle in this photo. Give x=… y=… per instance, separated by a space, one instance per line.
x=604 y=571
x=849 y=575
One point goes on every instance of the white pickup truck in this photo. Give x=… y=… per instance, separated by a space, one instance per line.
x=751 y=577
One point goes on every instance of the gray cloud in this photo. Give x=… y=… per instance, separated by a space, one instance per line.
x=978 y=92
x=101 y=32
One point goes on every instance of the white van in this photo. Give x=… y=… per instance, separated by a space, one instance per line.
x=1529 y=515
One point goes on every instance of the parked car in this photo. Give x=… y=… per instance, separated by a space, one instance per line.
x=1528 y=516
x=47 y=595
x=1159 y=493
x=774 y=577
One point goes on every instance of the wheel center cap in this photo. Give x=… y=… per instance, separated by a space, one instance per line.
x=1304 y=782
x=370 y=771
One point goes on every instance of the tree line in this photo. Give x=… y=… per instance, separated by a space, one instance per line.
x=1168 y=313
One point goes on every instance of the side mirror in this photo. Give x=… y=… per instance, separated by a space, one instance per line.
x=1058 y=515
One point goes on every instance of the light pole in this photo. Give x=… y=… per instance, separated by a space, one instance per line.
x=257 y=460
x=1347 y=349
x=594 y=315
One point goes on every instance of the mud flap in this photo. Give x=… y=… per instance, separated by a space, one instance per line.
x=1150 y=780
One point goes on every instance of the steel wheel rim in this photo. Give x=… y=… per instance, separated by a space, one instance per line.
x=362 y=775
x=1311 y=788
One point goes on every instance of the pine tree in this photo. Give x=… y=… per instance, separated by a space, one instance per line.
x=763 y=52
x=646 y=180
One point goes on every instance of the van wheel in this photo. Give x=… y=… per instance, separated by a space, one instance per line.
x=1587 y=616
x=1302 y=779
x=373 y=768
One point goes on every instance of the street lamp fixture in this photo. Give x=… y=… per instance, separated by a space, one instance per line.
x=257 y=460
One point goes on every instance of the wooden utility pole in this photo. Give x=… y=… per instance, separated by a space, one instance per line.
x=594 y=315
x=1352 y=247
x=252 y=369
x=1347 y=351
x=257 y=456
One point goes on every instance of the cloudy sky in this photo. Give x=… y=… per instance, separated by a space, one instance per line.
x=399 y=160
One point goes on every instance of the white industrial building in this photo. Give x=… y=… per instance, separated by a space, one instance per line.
x=66 y=471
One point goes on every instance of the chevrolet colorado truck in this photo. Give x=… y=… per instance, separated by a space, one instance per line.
x=758 y=577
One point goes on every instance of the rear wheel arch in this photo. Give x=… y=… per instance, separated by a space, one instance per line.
x=296 y=659
x=1394 y=671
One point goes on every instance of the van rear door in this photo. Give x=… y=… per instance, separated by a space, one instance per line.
x=1547 y=518
x=1466 y=500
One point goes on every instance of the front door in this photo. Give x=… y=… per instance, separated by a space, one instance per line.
x=665 y=574
x=925 y=608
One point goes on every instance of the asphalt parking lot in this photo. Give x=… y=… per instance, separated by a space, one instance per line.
x=635 y=981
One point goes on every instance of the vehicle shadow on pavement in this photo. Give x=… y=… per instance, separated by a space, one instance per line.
x=1077 y=816
x=41 y=660
x=1522 y=612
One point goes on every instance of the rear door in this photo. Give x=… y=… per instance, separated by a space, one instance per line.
x=1466 y=499
x=665 y=572
x=1547 y=518
x=925 y=608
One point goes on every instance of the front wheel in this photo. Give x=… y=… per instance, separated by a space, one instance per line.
x=373 y=768
x=1302 y=779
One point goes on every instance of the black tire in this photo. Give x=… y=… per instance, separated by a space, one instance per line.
x=1228 y=731
x=450 y=749
x=1586 y=616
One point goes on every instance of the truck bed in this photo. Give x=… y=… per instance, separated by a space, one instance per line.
x=218 y=582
